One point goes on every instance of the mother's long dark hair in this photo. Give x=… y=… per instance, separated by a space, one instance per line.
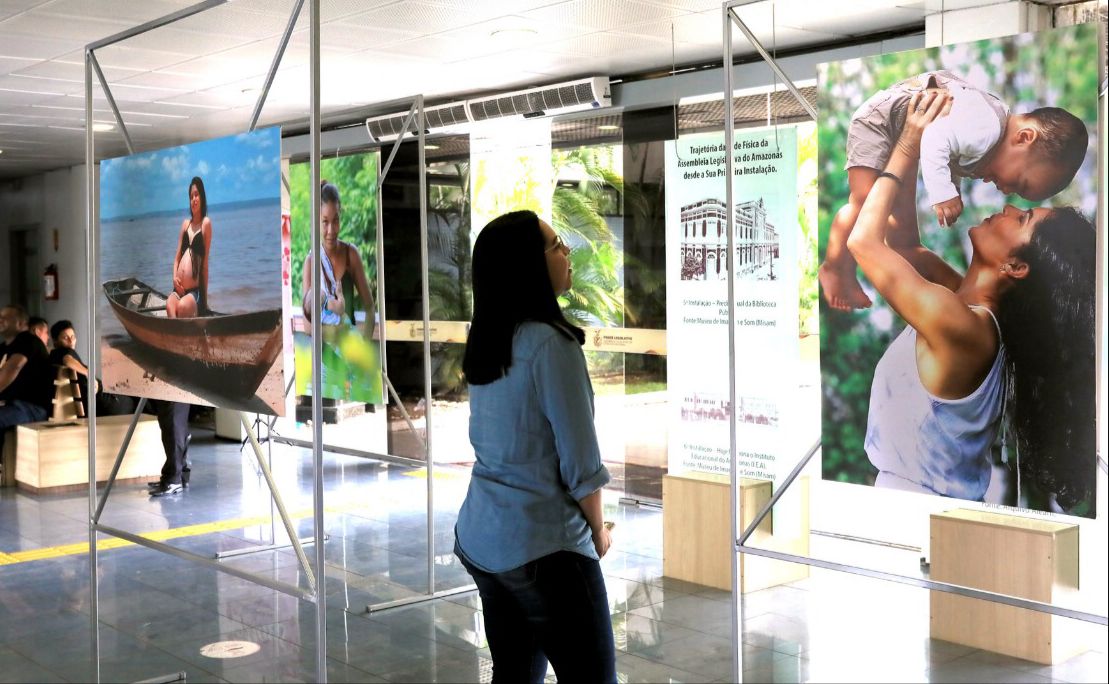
x=511 y=285
x=1047 y=324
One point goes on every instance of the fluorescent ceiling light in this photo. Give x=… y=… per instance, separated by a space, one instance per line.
x=101 y=127
x=608 y=127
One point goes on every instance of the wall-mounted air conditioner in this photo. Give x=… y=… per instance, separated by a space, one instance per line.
x=559 y=98
x=439 y=118
x=572 y=96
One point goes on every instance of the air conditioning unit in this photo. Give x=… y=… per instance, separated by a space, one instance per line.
x=572 y=96
x=439 y=118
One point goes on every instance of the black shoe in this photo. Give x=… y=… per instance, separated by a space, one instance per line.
x=168 y=489
x=157 y=484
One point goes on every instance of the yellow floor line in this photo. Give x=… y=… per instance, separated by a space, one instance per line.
x=82 y=548
x=155 y=535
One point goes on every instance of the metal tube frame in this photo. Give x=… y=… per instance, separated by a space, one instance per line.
x=96 y=505
x=415 y=114
x=729 y=17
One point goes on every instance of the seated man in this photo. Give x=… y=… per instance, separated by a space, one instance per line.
x=37 y=326
x=26 y=378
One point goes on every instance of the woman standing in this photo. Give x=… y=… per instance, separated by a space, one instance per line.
x=343 y=271
x=190 y=263
x=530 y=531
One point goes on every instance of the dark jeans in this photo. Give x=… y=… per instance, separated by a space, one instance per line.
x=553 y=608
x=173 y=420
x=18 y=412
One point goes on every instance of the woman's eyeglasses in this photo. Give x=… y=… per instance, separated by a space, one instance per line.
x=558 y=244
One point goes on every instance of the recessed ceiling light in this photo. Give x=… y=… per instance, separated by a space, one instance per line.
x=101 y=127
x=608 y=127
x=430 y=146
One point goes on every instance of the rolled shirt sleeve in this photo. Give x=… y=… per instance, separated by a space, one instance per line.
x=565 y=396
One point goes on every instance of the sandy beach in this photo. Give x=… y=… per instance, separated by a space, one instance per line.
x=128 y=370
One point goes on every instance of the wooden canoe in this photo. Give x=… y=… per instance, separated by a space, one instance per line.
x=244 y=344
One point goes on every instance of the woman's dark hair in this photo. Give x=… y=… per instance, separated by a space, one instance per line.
x=203 y=196
x=60 y=327
x=329 y=194
x=511 y=285
x=1047 y=325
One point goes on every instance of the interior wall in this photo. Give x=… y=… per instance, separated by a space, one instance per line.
x=54 y=200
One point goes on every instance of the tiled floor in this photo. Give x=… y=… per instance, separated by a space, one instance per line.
x=158 y=611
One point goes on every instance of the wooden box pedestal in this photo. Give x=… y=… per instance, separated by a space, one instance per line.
x=1006 y=554
x=696 y=533
x=50 y=457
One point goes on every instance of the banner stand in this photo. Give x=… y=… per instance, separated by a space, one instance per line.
x=729 y=19
x=316 y=580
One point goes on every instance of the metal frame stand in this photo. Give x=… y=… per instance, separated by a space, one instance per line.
x=730 y=18
x=316 y=579
x=416 y=117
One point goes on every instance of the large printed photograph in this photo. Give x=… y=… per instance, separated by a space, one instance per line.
x=348 y=233
x=972 y=375
x=190 y=266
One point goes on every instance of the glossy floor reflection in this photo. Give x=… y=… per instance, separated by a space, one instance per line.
x=157 y=611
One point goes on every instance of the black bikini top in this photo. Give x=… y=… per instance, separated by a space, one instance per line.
x=195 y=246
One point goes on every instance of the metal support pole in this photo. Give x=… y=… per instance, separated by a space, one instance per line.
x=275 y=496
x=283 y=587
x=90 y=258
x=770 y=61
x=424 y=267
x=783 y=487
x=155 y=23
x=736 y=504
x=119 y=459
x=111 y=102
x=960 y=590
x=317 y=339
x=281 y=45
x=413 y=600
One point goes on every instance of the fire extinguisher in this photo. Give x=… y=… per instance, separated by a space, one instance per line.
x=50 y=282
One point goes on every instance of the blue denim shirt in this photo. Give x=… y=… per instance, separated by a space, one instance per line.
x=537 y=456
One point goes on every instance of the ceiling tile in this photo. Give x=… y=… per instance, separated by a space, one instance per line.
x=408 y=15
x=86 y=30
x=71 y=67
x=601 y=16
x=121 y=56
x=33 y=47
x=10 y=64
x=352 y=38
x=234 y=19
x=187 y=41
x=63 y=86
x=10 y=8
x=330 y=10
x=136 y=11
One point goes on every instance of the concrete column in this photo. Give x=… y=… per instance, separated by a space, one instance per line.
x=989 y=21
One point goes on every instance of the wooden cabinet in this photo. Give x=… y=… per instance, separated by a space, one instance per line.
x=1006 y=554
x=697 y=543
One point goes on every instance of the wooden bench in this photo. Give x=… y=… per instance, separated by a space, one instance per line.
x=53 y=457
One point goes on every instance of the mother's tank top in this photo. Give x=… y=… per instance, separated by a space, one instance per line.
x=922 y=443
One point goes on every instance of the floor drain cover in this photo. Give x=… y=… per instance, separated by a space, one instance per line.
x=230 y=649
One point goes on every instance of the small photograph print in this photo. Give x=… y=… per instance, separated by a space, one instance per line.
x=699 y=407
x=704 y=241
x=190 y=265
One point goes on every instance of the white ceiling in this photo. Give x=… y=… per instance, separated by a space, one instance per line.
x=200 y=77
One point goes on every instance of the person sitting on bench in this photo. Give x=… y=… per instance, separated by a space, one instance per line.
x=26 y=378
